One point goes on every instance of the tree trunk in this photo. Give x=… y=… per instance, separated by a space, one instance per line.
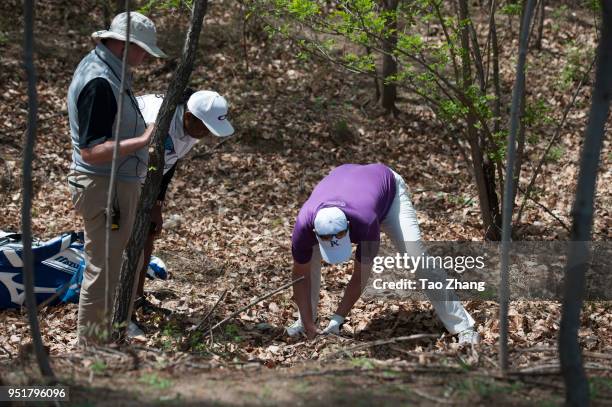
x=496 y=108
x=130 y=266
x=118 y=6
x=484 y=170
x=541 y=16
x=576 y=384
x=106 y=12
x=517 y=94
x=389 y=64
x=496 y=80
x=26 y=207
x=520 y=138
x=110 y=197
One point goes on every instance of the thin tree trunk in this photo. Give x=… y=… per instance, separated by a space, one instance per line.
x=483 y=168
x=517 y=93
x=106 y=12
x=478 y=62
x=389 y=64
x=118 y=6
x=131 y=258
x=520 y=150
x=520 y=138
x=110 y=197
x=541 y=16
x=449 y=41
x=496 y=87
x=570 y=355
x=368 y=51
x=26 y=207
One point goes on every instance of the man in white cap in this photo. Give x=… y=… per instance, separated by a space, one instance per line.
x=197 y=115
x=352 y=204
x=93 y=111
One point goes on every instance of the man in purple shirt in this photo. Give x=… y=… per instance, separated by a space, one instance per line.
x=352 y=205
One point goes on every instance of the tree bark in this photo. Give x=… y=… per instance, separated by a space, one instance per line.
x=541 y=16
x=517 y=95
x=26 y=207
x=496 y=79
x=576 y=384
x=484 y=171
x=389 y=64
x=520 y=137
x=110 y=197
x=130 y=266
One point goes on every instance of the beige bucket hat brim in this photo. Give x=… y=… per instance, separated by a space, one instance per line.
x=151 y=49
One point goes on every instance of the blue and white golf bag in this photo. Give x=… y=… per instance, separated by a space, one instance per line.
x=59 y=264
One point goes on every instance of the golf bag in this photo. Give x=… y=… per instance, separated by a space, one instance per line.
x=59 y=264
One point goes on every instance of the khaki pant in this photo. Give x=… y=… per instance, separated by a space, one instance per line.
x=89 y=196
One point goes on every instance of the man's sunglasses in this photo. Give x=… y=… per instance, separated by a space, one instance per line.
x=338 y=235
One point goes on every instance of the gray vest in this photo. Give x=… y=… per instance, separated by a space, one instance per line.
x=101 y=63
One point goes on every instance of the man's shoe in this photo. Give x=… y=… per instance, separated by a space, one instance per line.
x=134 y=331
x=295 y=328
x=142 y=302
x=469 y=336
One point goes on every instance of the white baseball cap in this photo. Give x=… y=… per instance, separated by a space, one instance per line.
x=212 y=109
x=329 y=222
x=142 y=32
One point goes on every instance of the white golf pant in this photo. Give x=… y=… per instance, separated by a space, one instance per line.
x=402 y=227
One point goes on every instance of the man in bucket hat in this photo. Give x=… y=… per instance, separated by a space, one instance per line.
x=352 y=204
x=93 y=111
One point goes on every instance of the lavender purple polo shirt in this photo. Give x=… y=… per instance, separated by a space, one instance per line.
x=363 y=192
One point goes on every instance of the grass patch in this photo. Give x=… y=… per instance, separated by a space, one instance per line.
x=153 y=380
x=485 y=389
x=362 y=363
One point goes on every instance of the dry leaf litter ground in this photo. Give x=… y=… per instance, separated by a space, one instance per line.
x=230 y=211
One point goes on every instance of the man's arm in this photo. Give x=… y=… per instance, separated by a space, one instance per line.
x=96 y=112
x=301 y=295
x=103 y=153
x=361 y=273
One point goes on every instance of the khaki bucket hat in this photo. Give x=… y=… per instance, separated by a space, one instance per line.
x=142 y=32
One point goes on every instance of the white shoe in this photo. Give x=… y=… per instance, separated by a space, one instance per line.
x=469 y=336
x=295 y=328
x=134 y=331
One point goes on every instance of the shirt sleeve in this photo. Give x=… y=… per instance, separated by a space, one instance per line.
x=302 y=241
x=165 y=183
x=97 y=108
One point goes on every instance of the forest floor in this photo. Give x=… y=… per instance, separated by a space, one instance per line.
x=232 y=209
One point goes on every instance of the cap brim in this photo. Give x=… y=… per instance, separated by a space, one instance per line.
x=338 y=253
x=220 y=128
x=151 y=50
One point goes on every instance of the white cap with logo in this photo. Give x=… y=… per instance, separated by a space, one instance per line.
x=212 y=109
x=328 y=223
x=142 y=32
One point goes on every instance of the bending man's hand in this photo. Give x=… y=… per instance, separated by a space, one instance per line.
x=335 y=323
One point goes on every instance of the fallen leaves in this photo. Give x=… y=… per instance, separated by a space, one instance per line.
x=228 y=218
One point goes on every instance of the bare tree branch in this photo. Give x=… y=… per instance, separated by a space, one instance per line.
x=254 y=302
x=133 y=253
x=113 y=177
x=517 y=92
x=26 y=207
